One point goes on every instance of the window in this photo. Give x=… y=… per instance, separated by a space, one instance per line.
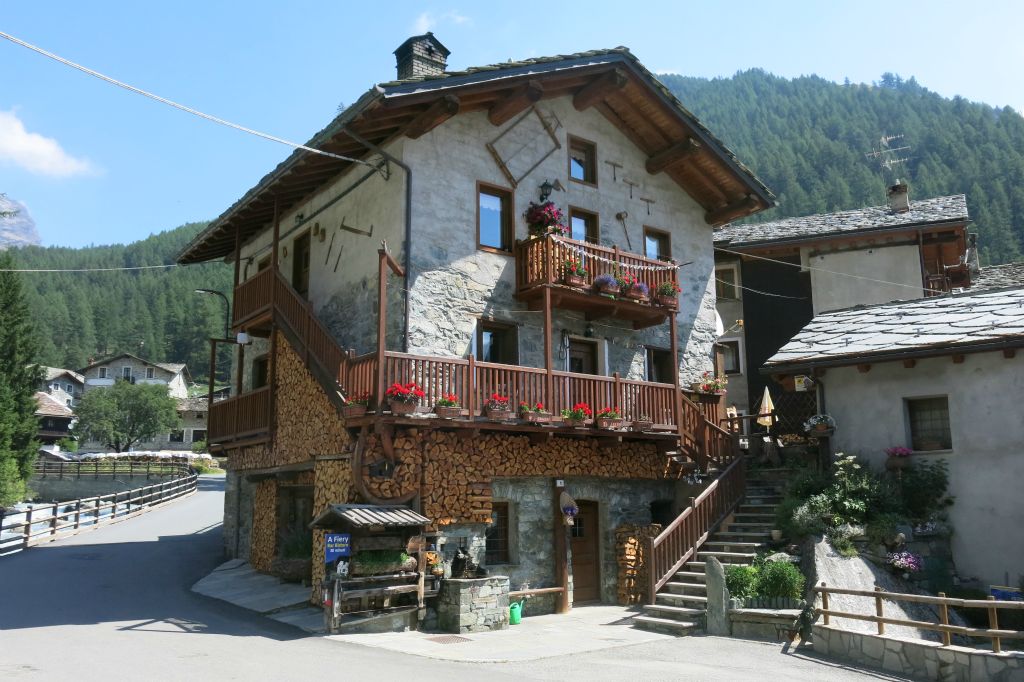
x=260 y=367
x=198 y=435
x=126 y=373
x=727 y=282
x=495 y=229
x=150 y=373
x=177 y=436
x=659 y=366
x=732 y=359
x=103 y=372
x=583 y=226
x=657 y=244
x=929 y=423
x=579 y=529
x=497 y=550
x=582 y=160
x=497 y=342
x=68 y=388
x=263 y=264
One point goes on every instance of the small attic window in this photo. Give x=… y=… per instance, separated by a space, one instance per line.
x=582 y=160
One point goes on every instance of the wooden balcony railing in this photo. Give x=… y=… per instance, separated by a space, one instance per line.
x=542 y=261
x=253 y=297
x=681 y=539
x=240 y=417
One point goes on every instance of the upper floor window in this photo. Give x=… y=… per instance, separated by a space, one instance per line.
x=260 y=371
x=732 y=360
x=928 y=419
x=582 y=160
x=68 y=388
x=727 y=282
x=657 y=244
x=660 y=366
x=497 y=342
x=495 y=227
x=583 y=226
x=150 y=373
x=126 y=373
x=103 y=372
x=263 y=264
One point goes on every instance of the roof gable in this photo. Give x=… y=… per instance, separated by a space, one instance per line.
x=172 y=368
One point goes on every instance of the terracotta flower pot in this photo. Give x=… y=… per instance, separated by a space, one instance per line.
x=574 y=280
x=608 y=289
x=667 y=301
x=352 y=411
x=534 y=417
x=642 y=425
x=499 y=415
x=635 y=294
x=399 y=408
x=608 y=422
x=574 y=423
x=709 y=397
x=447 y=412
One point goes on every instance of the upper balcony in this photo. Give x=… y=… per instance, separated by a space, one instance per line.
x=541 y=263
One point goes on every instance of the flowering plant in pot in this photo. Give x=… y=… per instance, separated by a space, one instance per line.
x=448 y=407
x=905 y=562
x=709 y=383
x=569 y=512
x=544 y=219
x=607 y=285
x=357 y=405
x=403 y=398
x=898 y=457
x=632 y=287
x=574 y=273
x=497 y=408
x=608 y=418
x=533 y=413
x=667 y=294
x=643 y=423
x=820 y=424
x=576 y=416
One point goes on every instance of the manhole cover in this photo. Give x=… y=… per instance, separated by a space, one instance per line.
x=449 y=639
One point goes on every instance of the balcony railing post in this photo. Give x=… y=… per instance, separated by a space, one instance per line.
x=471 y=387
x=617 y=399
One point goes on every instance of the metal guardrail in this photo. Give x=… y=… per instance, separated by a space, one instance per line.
x=45 y=523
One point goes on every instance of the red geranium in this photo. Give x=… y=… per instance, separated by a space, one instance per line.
x=404 y=393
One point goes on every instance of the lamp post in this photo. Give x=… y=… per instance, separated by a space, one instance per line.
x=227 y=308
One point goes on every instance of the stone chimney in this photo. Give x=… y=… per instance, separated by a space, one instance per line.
x=899 y=197
x=421 y=56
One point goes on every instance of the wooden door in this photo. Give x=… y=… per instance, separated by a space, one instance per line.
x=586 y=574
x=300 y=265
x=582 y=356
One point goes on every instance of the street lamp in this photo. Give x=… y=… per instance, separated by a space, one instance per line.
x=227 y=307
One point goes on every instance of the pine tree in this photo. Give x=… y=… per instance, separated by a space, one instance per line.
x=19 y=377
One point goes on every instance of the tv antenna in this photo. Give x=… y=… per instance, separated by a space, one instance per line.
x=887 y=156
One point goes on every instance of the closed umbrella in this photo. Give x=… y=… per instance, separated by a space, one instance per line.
x=764 y=414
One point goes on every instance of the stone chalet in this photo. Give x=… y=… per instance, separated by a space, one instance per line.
x=66 y=386
x=54 y=417
x=128 y=367
x=941 y=376
x=465 y=299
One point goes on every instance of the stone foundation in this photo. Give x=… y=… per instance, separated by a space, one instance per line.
x=473 y=605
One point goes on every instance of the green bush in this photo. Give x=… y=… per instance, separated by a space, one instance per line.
x=923 y=488
x=779 y=579
x=882 y=527
x=741 y=580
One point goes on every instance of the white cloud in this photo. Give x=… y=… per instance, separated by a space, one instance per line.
x=427 y=21
x=423 y=23
x=36 y=153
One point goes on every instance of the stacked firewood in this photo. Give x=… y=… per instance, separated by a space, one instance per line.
x=402 y=475
x=630 y=544
x=263 y=541
x=332 y=485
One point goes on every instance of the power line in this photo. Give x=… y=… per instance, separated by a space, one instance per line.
x=182 y=107
x=830 y=272
x=763 y=293
x=137 y=267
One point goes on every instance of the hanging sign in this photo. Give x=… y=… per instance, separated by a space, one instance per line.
x=336 y=546
x=803 y=383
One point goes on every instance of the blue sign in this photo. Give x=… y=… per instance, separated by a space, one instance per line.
x=337 y=545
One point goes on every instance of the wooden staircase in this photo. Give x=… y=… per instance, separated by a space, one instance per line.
x=680 y=604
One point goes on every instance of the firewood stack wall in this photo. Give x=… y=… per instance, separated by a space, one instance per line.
x=263 y=545
x=333 y=485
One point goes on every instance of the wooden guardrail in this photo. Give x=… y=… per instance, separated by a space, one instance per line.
x=45 y=523
x=98 y=468
x=990 y=604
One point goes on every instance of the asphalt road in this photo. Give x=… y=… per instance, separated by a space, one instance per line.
x=114 y=604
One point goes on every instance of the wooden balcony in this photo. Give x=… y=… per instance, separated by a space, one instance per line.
x=241 y=418
x=540 y=264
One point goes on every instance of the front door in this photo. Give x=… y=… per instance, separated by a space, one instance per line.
x=582 y=356
x=300 y=265
x=586 y=585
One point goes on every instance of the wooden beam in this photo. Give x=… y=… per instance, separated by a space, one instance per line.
x=680 y=151
x=598 y=89
x=909 y=363
x=1008 y=353
x=864 y=369
x=514 y=102
x=561 y=551
x=736 y=209
x=436 y=114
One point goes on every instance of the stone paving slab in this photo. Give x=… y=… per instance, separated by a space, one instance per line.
x=307 y=618
x=241 y=585
x=585 y=628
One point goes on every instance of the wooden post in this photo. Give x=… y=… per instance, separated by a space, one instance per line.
x=548 y=355
x=28 y=527
x=471 y=387
x=78 y=513
x=53 y=520
x=382 y=320
x=878 y=611
x=617 y=401
x=96 y=512
x=944 y=619
x=824 y=603
x=561 y=552
x=993 y=624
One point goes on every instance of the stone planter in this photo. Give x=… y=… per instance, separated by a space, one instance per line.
x=499 y=415
x=635 y=294
x=575 y=281
x=670 y=302
x=353 y=411
x=447 y=412
x=642 y=425
x=608 y=423
x=398 y=408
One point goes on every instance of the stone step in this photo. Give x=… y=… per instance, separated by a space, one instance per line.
x=732 y=546
x=742 y=534
x=674 y=599
x=692 y=577
x=750 y=524
x=694 y=566
x=679 y=587
x=758 y=491
x=756 y=508
x=728 y=557
x=676 y=612
x=674 y=627
x=755 y=515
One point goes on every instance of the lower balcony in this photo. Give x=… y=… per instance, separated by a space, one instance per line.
x=241 y=419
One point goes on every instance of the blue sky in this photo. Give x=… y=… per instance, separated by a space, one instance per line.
x=95 y=164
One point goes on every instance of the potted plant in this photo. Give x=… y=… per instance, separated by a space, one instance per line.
x=820 y=425
x=667 y=294
x=497 y=408
x=632 y=288
x=448 y=407
x=711 y=384
x=578 y=415
x=544 y=219
x=569 y=513
x=898 y=457
x=573 y=273
x=607 y=285
x=608 y=418
x=404 y=398
x=434 y=563
x=533 y=413
x=904 y=562
x=356 y=406
x=643 y=423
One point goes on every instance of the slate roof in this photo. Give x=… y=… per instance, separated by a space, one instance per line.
x=51 y=373
x=198 y=404
x=998 y=276
x=48 y=406
x=922 y=212
x=366 y=515
x=970 y=321
x=172 y=367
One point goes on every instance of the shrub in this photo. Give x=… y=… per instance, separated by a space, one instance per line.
x=923 y=487
x=779 y=579
x=741 y=580
x=882 y=527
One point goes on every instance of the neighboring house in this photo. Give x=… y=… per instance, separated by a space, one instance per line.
x=55 y=418
x=449 y=163
x=65 y=385
x=136 y=370
x=903 y=250
x=942 y=376
x=999 y=276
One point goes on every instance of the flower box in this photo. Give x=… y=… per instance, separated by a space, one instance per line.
x=643 y=425
x=400 y=408
x=498 y=415
x=535 y=417
x=353 y=411
x=608 y=423
x=709 y=398
x=606 y=289
x=447 y=412
x=574 y=423
x=576 y=281
x=635 y=294
x=667 y=301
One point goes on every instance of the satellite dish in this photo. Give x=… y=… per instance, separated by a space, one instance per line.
x=719 y=325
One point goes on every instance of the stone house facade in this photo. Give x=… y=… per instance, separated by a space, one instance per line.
x=64 y=385
x=447 y=163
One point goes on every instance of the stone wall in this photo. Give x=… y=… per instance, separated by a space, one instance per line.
x=473 y=605
x=630 y=544
x=918 y=659
x=263 y=544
